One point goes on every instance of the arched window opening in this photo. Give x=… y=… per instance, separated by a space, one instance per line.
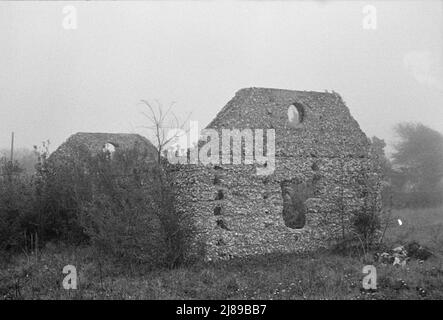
x=222 y=224
x=217 y=211
x=109 y=149
x=314 y=166
x=216 y=180
x=219 y=195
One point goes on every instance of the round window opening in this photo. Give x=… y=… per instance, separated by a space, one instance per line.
x=295 y=115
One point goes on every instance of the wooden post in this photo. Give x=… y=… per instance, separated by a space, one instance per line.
x=36 y=245
x=12 y=146
x=26 y=244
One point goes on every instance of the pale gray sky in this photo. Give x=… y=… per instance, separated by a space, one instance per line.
x=55 y=82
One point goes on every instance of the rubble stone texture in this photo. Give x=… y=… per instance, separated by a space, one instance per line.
x=305 y=204
x=96 y=142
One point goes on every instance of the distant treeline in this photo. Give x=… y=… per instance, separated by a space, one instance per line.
x=414 y=172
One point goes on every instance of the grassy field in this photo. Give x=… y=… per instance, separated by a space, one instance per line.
x=322 y=275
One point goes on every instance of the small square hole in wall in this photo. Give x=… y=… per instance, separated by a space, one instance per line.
x=316 y=179
x=217 y=210
x=217 y=180
x=315 y=167
x=222 y=224
x=219 y=195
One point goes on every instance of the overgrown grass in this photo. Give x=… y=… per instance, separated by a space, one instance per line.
x=320 y=275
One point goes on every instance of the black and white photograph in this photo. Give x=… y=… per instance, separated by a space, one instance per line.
x=228 y=151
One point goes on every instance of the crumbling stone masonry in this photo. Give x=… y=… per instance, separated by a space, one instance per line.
x=305 y=204
x=96 y=142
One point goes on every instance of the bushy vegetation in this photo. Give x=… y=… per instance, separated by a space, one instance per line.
x=121 y=205
x=366 y=221
x=130 y=213
x=16 y=206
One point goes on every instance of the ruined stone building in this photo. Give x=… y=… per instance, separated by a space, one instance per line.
x=322 y=168
x=322 y=165
x=96 y=142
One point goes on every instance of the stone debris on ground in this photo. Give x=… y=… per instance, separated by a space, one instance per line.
x=401 y=255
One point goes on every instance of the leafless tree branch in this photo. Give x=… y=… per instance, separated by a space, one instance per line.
x=159 y=121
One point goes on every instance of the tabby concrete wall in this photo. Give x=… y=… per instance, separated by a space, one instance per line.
x=251 y=207
x=238 y=213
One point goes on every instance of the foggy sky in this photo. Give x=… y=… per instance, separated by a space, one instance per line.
x=55 y=82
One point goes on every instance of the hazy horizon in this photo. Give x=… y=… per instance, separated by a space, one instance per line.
x=55 y=82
